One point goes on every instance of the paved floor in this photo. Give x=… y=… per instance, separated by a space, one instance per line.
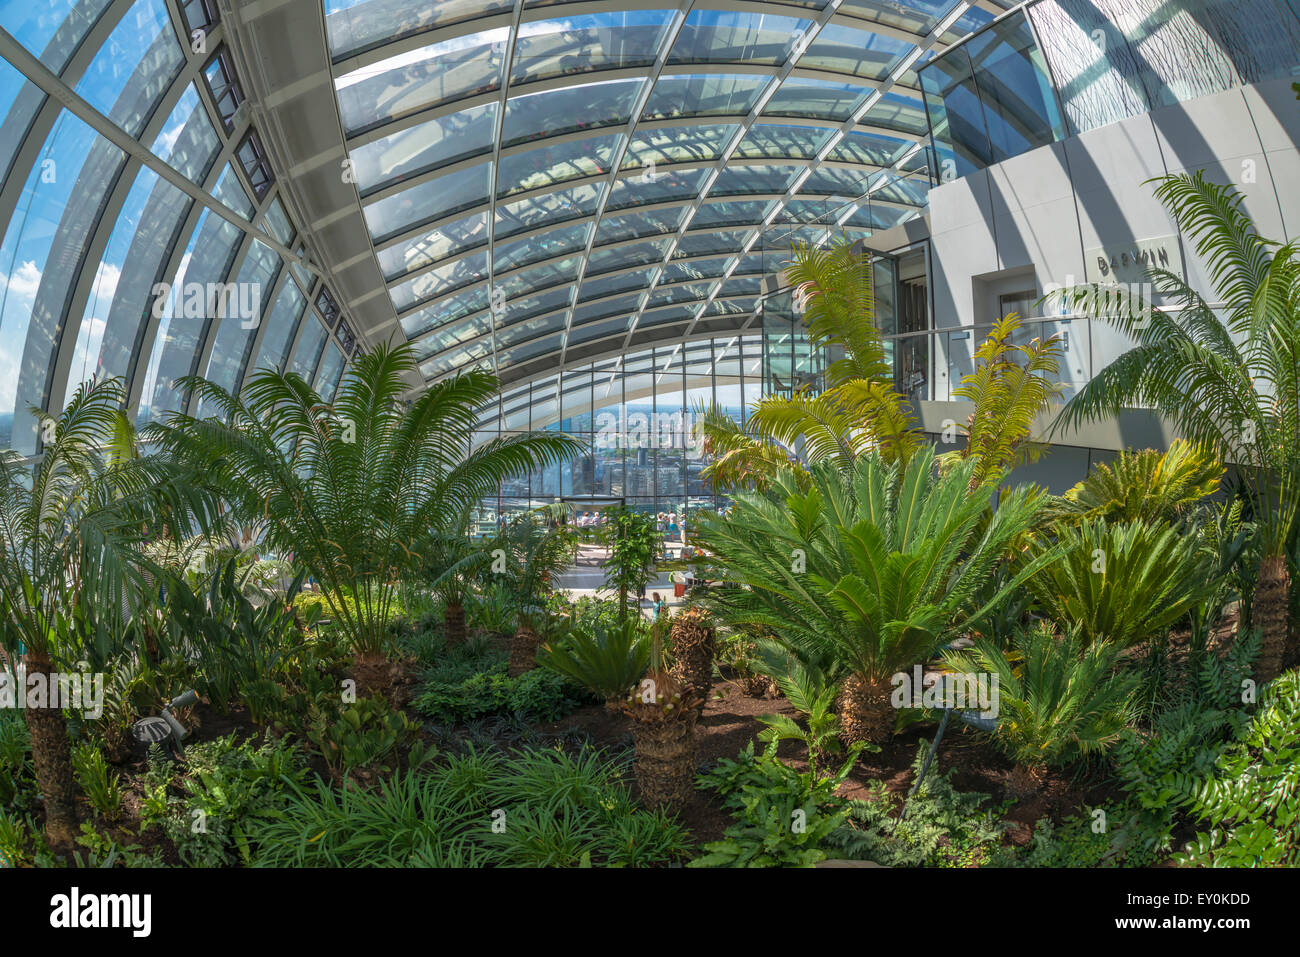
x=586 y=578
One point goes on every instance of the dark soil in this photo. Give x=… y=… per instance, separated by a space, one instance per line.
x=730 y=722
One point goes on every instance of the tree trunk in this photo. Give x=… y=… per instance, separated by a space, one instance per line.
x=1268 y=613
x=374 y=674
x=866 y=713
x=453 y=624
x=523 y=651
x=694 y=642
x=666 y=757
x=52 y=756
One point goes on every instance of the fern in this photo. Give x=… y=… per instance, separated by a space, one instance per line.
x=1009 y=386
x=1251 y=801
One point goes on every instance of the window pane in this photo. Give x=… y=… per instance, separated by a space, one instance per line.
x=1019 y=104
x=408 y=82
x=133 y=69
x=185 y=313
x=281 y=325
x=187 y=140
x=43 y=246
x=121 y=295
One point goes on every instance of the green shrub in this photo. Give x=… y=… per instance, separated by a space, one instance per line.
x=17 y=777
x=473 y=683
x=208 y=805
x=784 y=818
x=532 y=808
x=368 y=734
x=102 y=787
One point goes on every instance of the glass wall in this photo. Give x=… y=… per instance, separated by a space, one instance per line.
x=636 y=416
x=109 y=265
x=1061 y=67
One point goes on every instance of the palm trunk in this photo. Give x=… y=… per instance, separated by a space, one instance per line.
x=523 y=651
x=694 y=642
x=52 y=757
x=453 y=623
x=666 y=759
x=1268 y=613
x=866 y=713
x=663 y=735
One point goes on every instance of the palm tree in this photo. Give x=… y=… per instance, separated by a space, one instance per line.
x=451 y=558
x=857 y=412
x=74 y=524
x=1227 y=375
x=877 y=568
x=353 y=488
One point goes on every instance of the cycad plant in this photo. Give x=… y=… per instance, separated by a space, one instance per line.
x=353 y=488
x=857 y=412
x=1122 y=582
x=533 y=552
x=1010 y=385
x=878 y=568
x=74 y=523
x=1226 y=374
x=608 y=661
x=452 y=560
x=1146 y=485
x=1058 y=699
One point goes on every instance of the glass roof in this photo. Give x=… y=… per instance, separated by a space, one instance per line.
x=532 y=179
x=532 y=175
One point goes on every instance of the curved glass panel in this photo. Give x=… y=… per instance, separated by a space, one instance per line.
x=438 y=244
x=545 y=209
x=330 y=372
x=548 y=165
x=583 y=44
x=439 y=73
x=656 y=186
x=281 y=324
x=703 y=95
x=840 y=49
x=680 y=144
x=715 y=36
x=441 y=196
x=42 y=247
x=133 y=69
x=121 y=295
x=187 y=140
x=183 y=316
x=533 y=116
x=52 y=29
x=441 y=142
x=815 y=99
x=355 y=25
x=440 y=281
x=306 y=355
